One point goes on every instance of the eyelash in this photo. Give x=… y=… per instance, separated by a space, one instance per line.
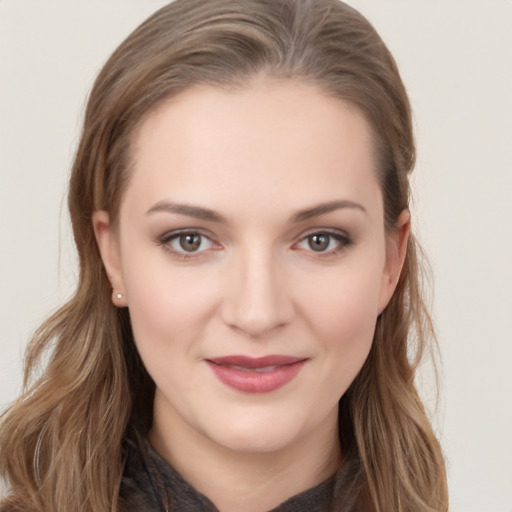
x=166 y=239
x=343 y=240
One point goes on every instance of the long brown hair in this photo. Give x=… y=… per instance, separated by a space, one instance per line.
x=61 y=441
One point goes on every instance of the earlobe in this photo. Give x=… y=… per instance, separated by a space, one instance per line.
x=395 y=257
x=109 y=249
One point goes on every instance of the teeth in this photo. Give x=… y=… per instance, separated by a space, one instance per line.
x=266 y=369
x=258 y=370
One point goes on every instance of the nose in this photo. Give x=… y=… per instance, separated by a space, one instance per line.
x=258 y=300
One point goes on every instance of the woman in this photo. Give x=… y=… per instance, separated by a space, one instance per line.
x=248 y=318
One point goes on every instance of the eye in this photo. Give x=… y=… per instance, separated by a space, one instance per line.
x=186 y=242
x=189 y=242
x=324 y=242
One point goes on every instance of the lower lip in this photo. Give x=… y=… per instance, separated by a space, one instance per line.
x=250 y=381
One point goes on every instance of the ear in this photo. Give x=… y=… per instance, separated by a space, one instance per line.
x=395 y=257
x=108 y=245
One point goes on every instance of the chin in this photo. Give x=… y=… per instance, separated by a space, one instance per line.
x=257 y=443
x=252 y=434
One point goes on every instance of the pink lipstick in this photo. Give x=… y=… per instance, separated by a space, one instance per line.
x=256 y=375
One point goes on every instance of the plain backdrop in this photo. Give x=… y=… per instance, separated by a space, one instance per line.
x=456 y=60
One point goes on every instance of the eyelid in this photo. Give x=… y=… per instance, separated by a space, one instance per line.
x=165 y=239
x=344 y=240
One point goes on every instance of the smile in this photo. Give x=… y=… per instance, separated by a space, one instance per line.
x=256 y=375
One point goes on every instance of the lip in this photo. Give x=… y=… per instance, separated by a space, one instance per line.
x=256 y=375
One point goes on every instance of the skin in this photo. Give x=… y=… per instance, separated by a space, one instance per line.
x=255 y=286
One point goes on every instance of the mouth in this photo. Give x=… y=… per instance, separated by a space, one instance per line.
x=256 y=375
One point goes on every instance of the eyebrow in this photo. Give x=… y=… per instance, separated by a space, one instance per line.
x=190 y=211
x=201 y=213
x=324 y=208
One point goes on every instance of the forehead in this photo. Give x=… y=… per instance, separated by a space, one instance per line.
x=278 y=139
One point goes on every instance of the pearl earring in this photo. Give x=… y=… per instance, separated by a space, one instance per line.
x=119 y=296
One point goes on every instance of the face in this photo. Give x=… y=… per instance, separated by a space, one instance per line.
x=252 y=256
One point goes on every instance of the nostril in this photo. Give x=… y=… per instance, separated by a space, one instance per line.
x=257 y=302
x=257 y=318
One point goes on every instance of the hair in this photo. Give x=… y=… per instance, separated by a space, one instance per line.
x=61 y=441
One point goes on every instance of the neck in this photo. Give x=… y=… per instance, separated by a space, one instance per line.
x=252 y=482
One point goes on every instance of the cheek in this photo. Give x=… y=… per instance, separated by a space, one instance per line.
x=166 y=303
x=342 y=314
x=347 y=301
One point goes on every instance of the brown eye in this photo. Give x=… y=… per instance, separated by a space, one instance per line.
x=319 y=241
x=190 y=242
x=325 y=242
x=186 y=243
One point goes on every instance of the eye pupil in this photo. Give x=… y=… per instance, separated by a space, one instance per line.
x=190 y=242
x=318 y=242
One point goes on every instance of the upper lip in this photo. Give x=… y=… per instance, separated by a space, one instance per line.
x=255 y=362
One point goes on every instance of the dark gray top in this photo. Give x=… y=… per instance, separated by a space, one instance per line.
x=150 y=484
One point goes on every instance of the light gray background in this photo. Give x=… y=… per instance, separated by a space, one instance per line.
x=455 y=58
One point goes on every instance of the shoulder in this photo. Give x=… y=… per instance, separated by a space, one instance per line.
x=150 y=484
x=137 y=490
